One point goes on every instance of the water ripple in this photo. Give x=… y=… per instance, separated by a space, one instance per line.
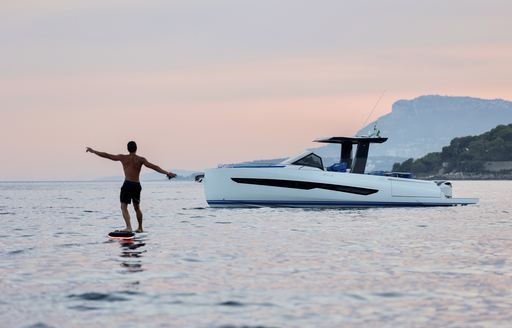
x=39 y=325
x=20 y=251
x=231 y=303
x=83 y=308
x=243 y=326
x=94 y=296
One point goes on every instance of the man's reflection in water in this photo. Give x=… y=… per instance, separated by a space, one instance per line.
x=131 y=253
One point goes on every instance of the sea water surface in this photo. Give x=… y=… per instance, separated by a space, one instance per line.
x=266 y=267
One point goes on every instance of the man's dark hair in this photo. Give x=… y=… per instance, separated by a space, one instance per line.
x=132 y=147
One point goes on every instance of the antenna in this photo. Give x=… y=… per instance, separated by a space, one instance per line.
x=373 y=109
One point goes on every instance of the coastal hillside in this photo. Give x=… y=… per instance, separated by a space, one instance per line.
x=487 y=155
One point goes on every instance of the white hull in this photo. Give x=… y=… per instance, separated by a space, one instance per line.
x=302 y=186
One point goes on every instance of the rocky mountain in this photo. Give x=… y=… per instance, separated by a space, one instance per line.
x=428 y=123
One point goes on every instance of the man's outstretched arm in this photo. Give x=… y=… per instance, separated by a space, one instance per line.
x=158 y=169
x=104 y=155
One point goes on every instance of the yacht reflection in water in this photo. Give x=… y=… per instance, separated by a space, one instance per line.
x=131 y=254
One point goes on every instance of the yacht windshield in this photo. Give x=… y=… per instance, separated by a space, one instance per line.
x=311 y=160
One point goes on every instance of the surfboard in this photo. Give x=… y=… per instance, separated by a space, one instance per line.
x=121 y=235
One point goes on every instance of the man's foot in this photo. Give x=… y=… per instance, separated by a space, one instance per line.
x=139 y=230
x=124 y=230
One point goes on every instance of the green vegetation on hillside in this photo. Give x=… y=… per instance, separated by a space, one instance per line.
x=466 y=154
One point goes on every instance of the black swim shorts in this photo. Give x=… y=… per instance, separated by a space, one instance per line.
x=130 y=190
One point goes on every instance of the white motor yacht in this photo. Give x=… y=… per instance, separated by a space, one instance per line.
x=303 y=181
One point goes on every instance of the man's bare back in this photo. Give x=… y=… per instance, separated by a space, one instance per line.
x=132 y=165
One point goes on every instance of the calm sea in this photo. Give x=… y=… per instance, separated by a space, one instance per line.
x=203 y=267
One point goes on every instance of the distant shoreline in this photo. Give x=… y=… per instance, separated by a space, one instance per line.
x=88 y=181
x=468 y=177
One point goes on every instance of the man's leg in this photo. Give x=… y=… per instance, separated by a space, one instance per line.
x=136 y=206
x=126 y=216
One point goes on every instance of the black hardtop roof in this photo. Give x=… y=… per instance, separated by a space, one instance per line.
x=352 y=140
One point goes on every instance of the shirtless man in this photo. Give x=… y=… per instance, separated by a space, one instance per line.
x=132 y=164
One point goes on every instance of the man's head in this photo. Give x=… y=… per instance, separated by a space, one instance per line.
x=132 y=147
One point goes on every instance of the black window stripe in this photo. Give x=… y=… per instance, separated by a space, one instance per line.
x=305 y=185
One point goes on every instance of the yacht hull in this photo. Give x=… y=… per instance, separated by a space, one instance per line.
x=295 y=186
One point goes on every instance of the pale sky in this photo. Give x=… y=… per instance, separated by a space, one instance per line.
x=202 y=82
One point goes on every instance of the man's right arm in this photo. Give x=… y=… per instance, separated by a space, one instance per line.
x=104 y=155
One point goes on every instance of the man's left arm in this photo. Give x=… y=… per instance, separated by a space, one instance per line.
x=158 y=169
